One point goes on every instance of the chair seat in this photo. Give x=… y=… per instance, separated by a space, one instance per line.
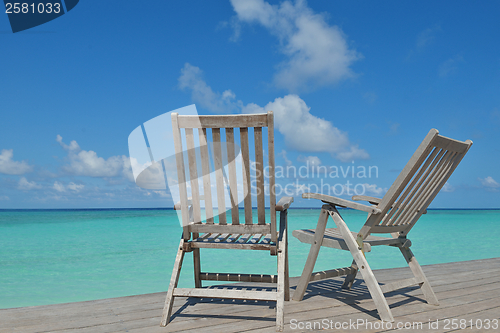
x=233 y=241
x=333 y=238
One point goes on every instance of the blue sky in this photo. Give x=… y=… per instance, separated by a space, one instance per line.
x=352 y=83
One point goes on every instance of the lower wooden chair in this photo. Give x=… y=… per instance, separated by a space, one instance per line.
x=211 y=229
x=396 y=213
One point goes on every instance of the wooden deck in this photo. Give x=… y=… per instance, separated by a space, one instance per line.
x=467 y=291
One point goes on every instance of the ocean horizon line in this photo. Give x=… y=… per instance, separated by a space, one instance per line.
x=167 y=208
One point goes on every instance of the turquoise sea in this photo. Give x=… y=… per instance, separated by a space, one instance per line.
x=58 y=256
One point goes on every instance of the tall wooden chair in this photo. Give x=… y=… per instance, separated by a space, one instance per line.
x=209 y=228
x=396 y=213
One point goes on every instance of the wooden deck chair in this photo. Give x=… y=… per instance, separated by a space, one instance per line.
x=204 y=229
x=396 y=213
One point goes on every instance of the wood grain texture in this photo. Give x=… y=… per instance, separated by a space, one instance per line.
x=461 y=297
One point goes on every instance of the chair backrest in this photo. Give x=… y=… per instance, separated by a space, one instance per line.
x=416 y=186
x=224 y=150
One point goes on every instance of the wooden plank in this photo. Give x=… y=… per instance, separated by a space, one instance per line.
x=233 y=237
x=316 y=276
x=266 y=239
x=259 y=175
x=240 y=277
x=451 y=144
x=232 y=246
x=435 y=185
x=408 y=171
x=246 y=175
x=205 y=167
x=181 y=177
x=233 y=182
x=231 y=229
x=313 y=254
x=280 y=297
x=219 y=177
x=167 y=309
x=202 y=237
x=417 y=271
x=212 y=237
x=225 y=293
x=272 y=190
x=428 y=183
x=244 y=238
x=255 y=239
x=223 y=121
x=463 y=294
x=329 y=240
x=193 y=173
x=222 y=238
x=400 y=284
x=391 y=217
x=341 y=202
x=365 y=270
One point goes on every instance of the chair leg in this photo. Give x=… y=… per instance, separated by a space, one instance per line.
x=313 y=255
x=197 y=268
x=370 y=280
x=280 y=298
x=349 y=279
x=169 y=301
x=287 y=272
x=419 y=274
x=283 y=227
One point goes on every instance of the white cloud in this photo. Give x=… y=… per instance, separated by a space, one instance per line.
x=450 y=66
x=10 y=167
x=318 y=54
x=26 y=185
x=59 y=187
x=426 y=37
x=192 y=78
x=448 y=187
x=302 y=130
x=87 y=163
x=75 y=187
x=370 y=97
x=306 y=132
x=283 y=154
x=489 y=183
x=311 y=161
x=373 y=189
x=4 y=197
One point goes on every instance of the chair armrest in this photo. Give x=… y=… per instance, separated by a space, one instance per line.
x=284 y=203
x=372 y=200
x=341 y=202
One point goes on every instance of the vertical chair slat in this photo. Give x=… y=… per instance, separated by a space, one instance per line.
x=406 y=174
x=219 y=178
x=180 y=174
x=233 y=183
x=443 y=179
x=434 y=183
x=205 y=167
x=454 y=164
x=429 y=179
x=193 y=174
x=272 y=192
x=259 y=161
x=404 y=199
x=247 y=196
